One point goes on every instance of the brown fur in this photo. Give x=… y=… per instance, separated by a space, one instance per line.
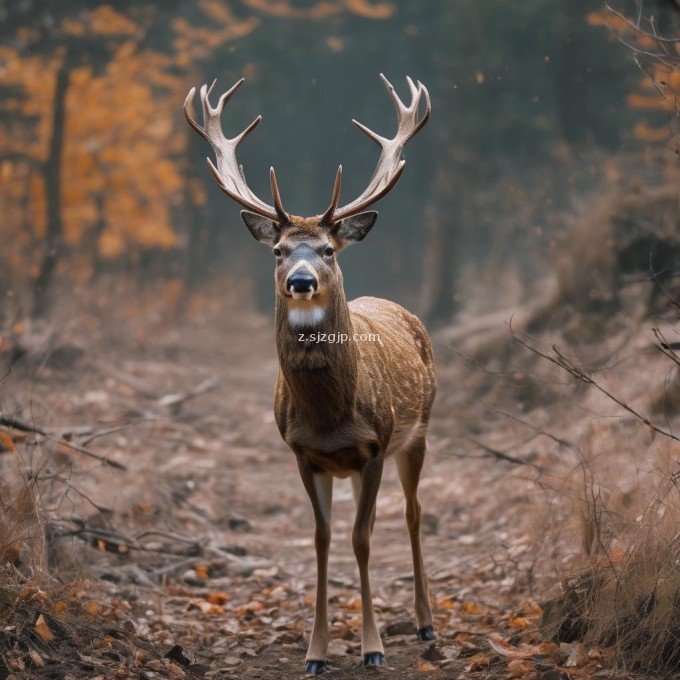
x=343 y=408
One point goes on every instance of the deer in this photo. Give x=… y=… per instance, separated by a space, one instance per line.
x=342 y=408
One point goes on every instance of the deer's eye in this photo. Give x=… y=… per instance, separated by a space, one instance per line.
x=329 y=251
x=277 y=252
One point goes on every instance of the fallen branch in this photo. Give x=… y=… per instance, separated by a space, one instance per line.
x=502 y=455
x=174 y=402
x=14 y=423
x=11 y=423
x=580 y=374
x=91 y=454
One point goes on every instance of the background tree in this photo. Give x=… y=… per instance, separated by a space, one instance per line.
x=101 y=175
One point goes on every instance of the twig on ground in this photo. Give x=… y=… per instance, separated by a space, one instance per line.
x=502 y=455
x=13 y=423
x=91 y=454
x=559 y=359
x=174 y=402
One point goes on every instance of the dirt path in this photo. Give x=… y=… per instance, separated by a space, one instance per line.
x=217 y=472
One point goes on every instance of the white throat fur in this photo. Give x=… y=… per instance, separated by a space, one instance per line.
x=308 y=316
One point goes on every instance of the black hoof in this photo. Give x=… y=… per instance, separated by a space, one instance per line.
x=426 y=633
x=315 y=667
x=374 y=659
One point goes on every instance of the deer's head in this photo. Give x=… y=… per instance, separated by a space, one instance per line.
x=306 y=248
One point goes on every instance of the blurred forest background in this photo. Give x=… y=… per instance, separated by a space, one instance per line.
x=147 y=503
x=535 y=103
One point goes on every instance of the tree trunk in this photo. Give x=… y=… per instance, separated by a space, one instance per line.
x=439 y=257
x=572 y=85
x=51 y=171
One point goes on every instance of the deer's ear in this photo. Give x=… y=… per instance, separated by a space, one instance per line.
x=262 y=228
x=353 y=229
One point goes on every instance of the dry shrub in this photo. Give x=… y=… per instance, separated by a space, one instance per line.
x=626 y=235
x=629 y=596
x=45 y=624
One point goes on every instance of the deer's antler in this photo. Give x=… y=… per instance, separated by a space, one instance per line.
x=390 y=164
x=228 y=173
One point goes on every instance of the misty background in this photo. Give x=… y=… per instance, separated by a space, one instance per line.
x=530 y=99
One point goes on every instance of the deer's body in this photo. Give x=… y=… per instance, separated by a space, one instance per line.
x=356 y=381
x=386 y=381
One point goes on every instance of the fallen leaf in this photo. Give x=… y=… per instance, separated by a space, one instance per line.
x=471 y=608
x=250 y=608
x=480 y=660
x=518 y=668
x=42 y=629
x=6 y=441
x=210 y=608
x=577 y=656
x=503 y=648
x=60 y=607
x=36 y=659
x=519 y=622
x=218 y=597
x=447 y=603
x=425 y=666
x=93 y=608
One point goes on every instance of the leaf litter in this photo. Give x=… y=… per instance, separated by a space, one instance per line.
x=194 y=556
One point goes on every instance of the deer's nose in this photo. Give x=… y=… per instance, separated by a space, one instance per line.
x=301 y=281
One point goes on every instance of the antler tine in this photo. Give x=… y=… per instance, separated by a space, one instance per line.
x=190 y=112
x=412 y=87
x=428 y=107
x=276 y=195
x=228 y=173
x=390 y=164
x=327 y=217
x=398 y=104
x=369 y=133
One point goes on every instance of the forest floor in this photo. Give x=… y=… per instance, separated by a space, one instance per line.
x=197 y=559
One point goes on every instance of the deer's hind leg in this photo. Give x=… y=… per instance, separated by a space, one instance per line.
x=409 y=465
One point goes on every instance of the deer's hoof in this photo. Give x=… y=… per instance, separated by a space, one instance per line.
x=374 y=659
x=426 y=633
x=313 y=667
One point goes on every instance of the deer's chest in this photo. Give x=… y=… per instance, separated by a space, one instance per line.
x=340 y=451
x=339 y=462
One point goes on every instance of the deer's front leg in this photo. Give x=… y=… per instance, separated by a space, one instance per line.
x=371 y=645
x=319 y=487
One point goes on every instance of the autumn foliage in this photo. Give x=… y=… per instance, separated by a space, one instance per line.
x=111 y=137
x=657 y=91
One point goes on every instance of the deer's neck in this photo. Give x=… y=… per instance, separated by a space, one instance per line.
x=318 y=360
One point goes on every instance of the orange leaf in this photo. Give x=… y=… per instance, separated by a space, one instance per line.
x=249 y=609
x=519 y=622
x=478 y=661
x=218 y=597
x=425 y=666
x=6 y=441
x=518 y=668
x=471 y=608
x=201 y=571
x=42 y=629
x=93 y=608
x=210 y=608
x=60 y=607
